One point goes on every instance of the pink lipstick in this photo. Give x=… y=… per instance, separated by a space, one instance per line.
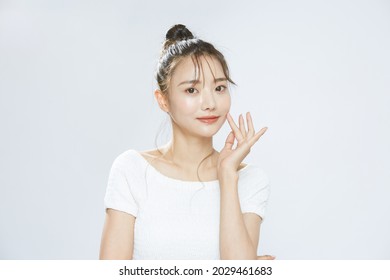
x=209 y=119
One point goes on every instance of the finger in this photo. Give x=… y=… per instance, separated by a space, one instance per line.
x=266 y=257
x=242 y=125
x=257 y=136
x=229 y=141
x=251 y=130
x=236 y=130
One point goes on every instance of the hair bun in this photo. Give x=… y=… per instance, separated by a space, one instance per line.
x=178 y=32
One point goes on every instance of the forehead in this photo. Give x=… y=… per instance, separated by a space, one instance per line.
x=205 y=67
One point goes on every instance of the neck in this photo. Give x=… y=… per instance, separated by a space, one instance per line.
x=187 y=152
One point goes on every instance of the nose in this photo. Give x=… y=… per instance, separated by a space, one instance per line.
x=208 y=100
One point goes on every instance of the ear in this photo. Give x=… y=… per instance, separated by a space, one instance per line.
x=162 y=100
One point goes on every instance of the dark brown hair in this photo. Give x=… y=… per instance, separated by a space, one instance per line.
x=180 y=43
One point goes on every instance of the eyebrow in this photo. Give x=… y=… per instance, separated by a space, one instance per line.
x=197 y=81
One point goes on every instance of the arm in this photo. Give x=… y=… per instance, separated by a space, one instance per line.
x=253 y=226
x=239 y=233
x=118 y=236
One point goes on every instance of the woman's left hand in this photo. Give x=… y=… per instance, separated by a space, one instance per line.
x=230 y=159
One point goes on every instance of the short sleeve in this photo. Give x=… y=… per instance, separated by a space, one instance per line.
x=254 y=190
x=118 y=193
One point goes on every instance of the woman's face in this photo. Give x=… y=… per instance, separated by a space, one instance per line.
x=209 y=96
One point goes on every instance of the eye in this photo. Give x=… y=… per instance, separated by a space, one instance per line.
x=191 y=90
x=220 y=88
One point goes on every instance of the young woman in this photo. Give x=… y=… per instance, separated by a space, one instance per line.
x=187 y=200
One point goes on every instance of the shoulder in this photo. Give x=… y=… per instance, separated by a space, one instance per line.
x=125 y=159
x=253 y=174
x=150 y=154
x=128 y=166
x=253 y=190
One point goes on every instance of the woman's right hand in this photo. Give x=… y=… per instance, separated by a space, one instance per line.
x=266 y=257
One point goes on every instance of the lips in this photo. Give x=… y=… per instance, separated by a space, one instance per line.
x=209 y=120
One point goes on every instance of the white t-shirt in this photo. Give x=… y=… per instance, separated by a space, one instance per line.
x=176 y=219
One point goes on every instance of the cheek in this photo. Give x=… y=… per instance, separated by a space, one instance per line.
x=187 y=105
x=225 y=103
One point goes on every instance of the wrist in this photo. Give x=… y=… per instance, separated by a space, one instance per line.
x=227 y=175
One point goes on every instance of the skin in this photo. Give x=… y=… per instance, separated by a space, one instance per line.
x=192 y=139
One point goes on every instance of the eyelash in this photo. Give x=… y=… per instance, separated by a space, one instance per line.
x=189 y=89
x=224 y=87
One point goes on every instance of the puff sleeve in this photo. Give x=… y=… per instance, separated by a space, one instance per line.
x=254 y=191
x=118 y=193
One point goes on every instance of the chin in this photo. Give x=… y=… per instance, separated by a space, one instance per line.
x=208 y=132
x=210 y=135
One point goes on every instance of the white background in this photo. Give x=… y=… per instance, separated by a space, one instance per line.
x=76 y=90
